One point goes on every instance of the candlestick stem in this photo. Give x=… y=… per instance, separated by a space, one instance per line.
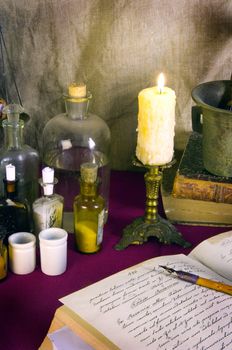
x=151 y=224
x=152 y=181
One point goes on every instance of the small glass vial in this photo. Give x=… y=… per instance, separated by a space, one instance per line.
x=14 y=213
x=3 y=254
x=48 y=209
x=89 y=211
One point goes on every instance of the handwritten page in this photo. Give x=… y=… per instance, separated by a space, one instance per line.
x=144 y=308
x=216 y=253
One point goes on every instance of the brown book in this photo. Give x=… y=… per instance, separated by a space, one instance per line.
x=191 y=211
x=193 y=181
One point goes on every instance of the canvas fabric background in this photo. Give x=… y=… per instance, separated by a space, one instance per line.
x=119 y=47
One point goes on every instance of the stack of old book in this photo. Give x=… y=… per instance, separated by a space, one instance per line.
x=192 y=195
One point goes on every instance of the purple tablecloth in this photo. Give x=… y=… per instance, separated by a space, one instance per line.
x=28 y=303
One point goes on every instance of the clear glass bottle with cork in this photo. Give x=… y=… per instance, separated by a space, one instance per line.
x=73 y=138
x=48 y=209
x=22 y=156
x=14 y=212
x=89 y=211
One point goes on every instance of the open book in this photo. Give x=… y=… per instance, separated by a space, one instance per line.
x=143 y=307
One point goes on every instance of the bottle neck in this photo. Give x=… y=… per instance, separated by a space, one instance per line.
x=10 y=189
x=77 y=108
x=13 y=134
x=48 y=190
x=88 y=190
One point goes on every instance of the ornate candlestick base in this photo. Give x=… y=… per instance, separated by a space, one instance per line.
x=151 y=224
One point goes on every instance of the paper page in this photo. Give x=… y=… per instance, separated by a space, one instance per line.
x=64 y=338
x=216 y=253
x=145 y=308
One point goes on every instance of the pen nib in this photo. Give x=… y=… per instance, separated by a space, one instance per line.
x=168 y=269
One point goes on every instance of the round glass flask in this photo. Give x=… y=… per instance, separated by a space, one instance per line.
x=73 y=138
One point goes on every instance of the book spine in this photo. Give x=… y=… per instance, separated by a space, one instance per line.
x=189 y=188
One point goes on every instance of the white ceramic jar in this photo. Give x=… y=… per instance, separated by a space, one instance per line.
x=53 y=251
x=22 y=252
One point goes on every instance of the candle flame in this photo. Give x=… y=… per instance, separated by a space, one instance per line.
x=161 y=82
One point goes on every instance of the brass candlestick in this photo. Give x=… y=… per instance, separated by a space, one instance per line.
x=151 y=224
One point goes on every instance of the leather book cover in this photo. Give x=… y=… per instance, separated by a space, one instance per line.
x=193 y=181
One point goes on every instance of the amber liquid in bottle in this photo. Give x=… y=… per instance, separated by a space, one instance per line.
x=89 y=210
x=3 y=254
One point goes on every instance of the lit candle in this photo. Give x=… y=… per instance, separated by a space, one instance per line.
x=10 y=172
x=156 y=124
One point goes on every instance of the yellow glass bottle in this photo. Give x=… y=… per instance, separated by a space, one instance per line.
x=3 y=254
x=89 y=210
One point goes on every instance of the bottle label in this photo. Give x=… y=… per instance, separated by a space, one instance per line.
x=47 y=215
x=101 y=216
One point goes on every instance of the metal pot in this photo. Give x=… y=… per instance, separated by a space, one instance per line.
x=212 y=99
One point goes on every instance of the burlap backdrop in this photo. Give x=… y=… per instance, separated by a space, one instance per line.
x=119 y=47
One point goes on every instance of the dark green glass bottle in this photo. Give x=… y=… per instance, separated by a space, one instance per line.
x=14 y=213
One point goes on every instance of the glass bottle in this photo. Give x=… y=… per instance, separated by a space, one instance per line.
x=89 y=208
x=22 y=156
x=48 y=209
x=3 y=254
x=73 y=138
x=14 y=213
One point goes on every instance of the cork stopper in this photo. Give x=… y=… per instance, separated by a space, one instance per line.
x=77 y=90
x=89 y=172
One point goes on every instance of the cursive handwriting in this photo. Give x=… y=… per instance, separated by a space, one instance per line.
x=146 y=308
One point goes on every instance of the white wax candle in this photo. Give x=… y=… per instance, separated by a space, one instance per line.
x=156 y=125
x=10 y=172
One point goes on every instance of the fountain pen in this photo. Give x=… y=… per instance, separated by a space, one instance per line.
x=200 y=281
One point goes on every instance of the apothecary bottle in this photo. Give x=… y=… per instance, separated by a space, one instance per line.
x=22 y=156
x=48 y=209
x=73 y=138
x=89 y=210
x=14 y=212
